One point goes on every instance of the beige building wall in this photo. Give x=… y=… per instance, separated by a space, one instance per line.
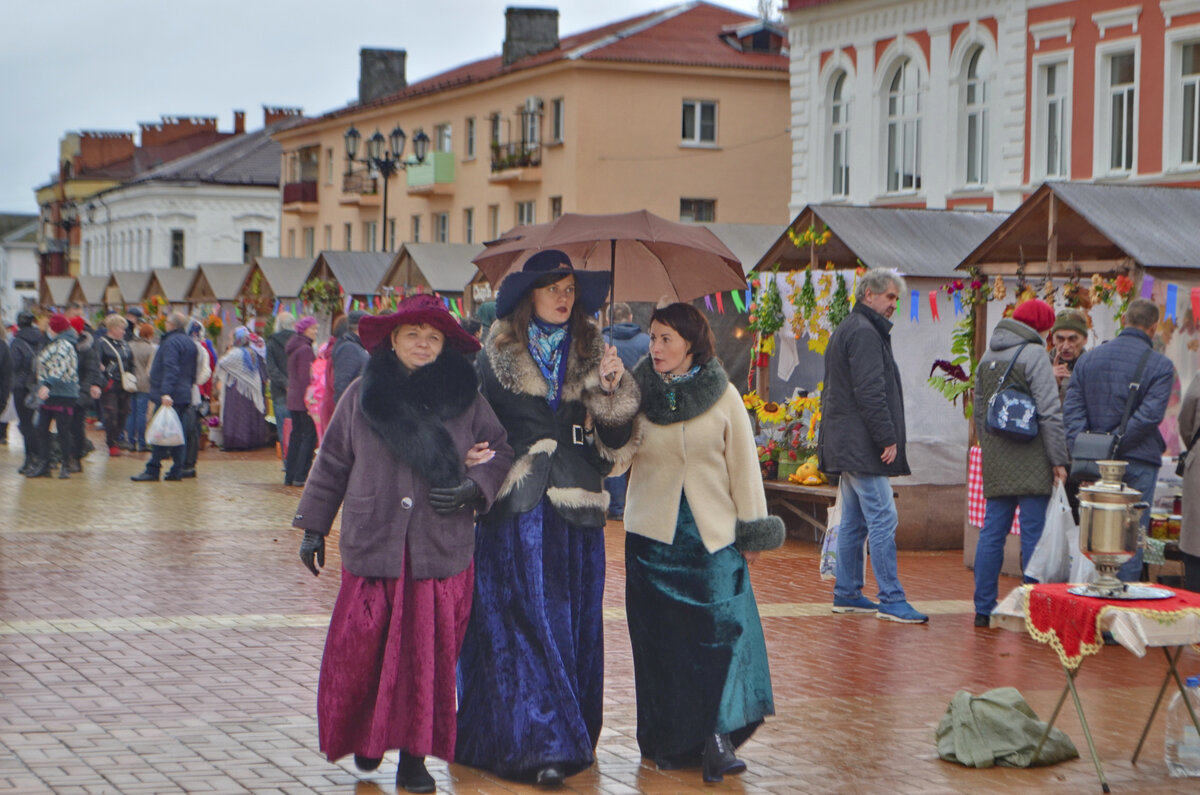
x=621 y=151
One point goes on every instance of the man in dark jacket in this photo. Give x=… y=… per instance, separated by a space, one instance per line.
x=1096 y=399
x=277 y=373
x=862 y=439
x=632 y=344
x=24 y=349
x=6 y=378
x=171 y=377
x=1016 y=473
x=349 y=357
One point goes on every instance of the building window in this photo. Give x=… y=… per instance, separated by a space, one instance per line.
x=1189 y=90
x=328 y=237
x=441 y=227
x=701 y=211
x=176 y=248
x=329 y=166
x=469 y=225
x=555 y=207
x=1052 y=125
x=416 y=229
x=976 y=116
x=310 y=241
x=699 y=122
x=1119 y=70
x=391 y=233
x=349 y=230
x=471 y=138
x=442 y=137
x=904 y=128
x=839 y=134
x=493 y=221
x=557 y=120
x=494 y=129
x=526 y=213
x=370 y=230
x=251 y=246
x=291 y=246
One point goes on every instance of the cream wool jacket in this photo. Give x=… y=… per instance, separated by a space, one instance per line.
x=703 y=448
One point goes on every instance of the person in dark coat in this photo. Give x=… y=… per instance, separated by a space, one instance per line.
x=24 y=348
x=116 y=359
x=303 y=440
x=1096 y=398
x=532 y=665
x=58 y=388
x=349 y=357
x=1016 y=474
x=862 y=439
x=410 y=455
x=277 y=366
x=172 y=375
x=91 y=385
x=6 y=379
x=632 y=344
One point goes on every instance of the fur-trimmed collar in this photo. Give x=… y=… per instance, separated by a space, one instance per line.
x=408 y=411
x=516 y=371
x=692 y=398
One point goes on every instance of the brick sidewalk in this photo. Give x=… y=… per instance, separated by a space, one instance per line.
x=160 y=638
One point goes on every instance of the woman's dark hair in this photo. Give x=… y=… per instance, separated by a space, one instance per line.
x=522 y=314
x=691 y=324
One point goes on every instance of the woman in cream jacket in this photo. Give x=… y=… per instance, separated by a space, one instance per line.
x=696 y=514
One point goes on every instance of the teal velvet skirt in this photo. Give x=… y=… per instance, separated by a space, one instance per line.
x=699 y=658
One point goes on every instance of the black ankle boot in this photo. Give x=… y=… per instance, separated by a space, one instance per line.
x=367 y=763
x=65 y=472
x=39 y=469
x=26 y=465
x=551 y=776
x=719 y=759
x=412 y=776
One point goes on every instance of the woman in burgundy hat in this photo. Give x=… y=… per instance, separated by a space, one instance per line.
x=412 y=452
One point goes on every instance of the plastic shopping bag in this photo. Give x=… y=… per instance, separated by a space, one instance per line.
x=829 y=544
x=1082 y=569
x=1051 y=559
x=165 y=428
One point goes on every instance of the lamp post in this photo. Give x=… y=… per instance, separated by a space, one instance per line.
x=68 y=219
x=386 y=162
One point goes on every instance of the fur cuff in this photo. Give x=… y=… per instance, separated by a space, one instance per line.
x=759 y=534
x=618 y=408
x=622 y=457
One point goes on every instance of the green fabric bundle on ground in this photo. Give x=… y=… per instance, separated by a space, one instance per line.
x=998 y=728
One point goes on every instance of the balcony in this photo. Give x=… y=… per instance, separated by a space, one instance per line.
x=300 y=197
x=360 y=189
x=434 y=177
x=516 y=162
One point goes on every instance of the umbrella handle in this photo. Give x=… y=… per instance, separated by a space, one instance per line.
x=612 y=285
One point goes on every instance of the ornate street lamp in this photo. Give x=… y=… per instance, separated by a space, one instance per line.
x=385 y=155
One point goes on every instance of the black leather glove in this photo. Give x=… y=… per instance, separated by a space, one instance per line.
x=312 y=551
x=450 y=498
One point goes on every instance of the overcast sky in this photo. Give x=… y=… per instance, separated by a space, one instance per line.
x=69 y=65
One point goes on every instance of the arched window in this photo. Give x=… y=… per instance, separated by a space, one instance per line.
x=904 y=128
x=975 y=116
x=839 y=134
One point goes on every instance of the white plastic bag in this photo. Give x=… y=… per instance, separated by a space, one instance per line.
x=165 y=428
x=1051 y=559
x=1082 y=569
x=829 y=544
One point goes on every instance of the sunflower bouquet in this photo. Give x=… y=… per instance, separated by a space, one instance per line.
x=788 y=430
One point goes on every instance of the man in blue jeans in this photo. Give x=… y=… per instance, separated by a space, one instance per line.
x=862 y=440
x=1096 y=399
x=171 y=377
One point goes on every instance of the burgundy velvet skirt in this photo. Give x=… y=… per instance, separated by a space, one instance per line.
x=388 y=673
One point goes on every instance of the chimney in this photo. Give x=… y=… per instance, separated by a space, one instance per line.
x=528 y=31
x=170 y=129
x=98 y=148
x=380 y=73
x=239 y=122
x=279 y=113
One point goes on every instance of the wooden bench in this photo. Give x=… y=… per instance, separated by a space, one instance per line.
x=785 y=495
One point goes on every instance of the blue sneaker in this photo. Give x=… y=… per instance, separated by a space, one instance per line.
x=901 y=613
x=859 y=604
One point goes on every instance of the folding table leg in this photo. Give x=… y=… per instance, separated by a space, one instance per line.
x=1162 y=690
x=1062 y=697
x=1087 y=733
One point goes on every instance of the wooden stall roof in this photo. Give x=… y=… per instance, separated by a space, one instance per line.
x=913 y=242
x=56 y=290
x=89 y=290
x=444 y=267
x=131 y=285
x=218 y=282
x=283 y=276
x=173 y=284
x=359 y=273
x=1096 y=228
x=747 y=241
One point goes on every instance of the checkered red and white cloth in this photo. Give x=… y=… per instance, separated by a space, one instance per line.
x=976 y=504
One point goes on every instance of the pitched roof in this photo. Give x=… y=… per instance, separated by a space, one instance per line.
x=92 y=288
x=132 y=285
x=358 y=272
x=446 y=266
x=25 y=234
x=913 y=242
x=250 y=159
x=59 y=288
x=12 y=221
x=145 y=158
x=285 y=275
x=175 y=282
x=687 y=34
x=748 y=242
x=224 y=279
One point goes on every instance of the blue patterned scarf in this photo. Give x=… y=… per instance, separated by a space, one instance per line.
x=672 y=380
x=548 y=343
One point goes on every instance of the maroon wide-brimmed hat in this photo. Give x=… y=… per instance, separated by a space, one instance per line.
x=374 y=330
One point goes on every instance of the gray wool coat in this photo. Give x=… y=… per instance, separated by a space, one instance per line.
x=1189 y=423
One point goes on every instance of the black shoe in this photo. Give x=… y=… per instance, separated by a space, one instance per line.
x=74 y=465
x=26 y=466
x=367 y=763
x=550 y=776
x=64 y=473
x=175 y=477
x=677 y=761
x=188 y=473
x=719 y=759
x=982 y=620
x=412 y=776
x=39 y=470
x=145 y=477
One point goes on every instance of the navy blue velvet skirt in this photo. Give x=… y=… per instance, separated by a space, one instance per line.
x=531 y=672
x=699 y=657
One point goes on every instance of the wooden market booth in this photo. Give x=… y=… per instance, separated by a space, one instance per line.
x=56 y=291
x=131 y=286
x=358 y=273
x=442 y=268
x=272 y=279
x=172 y=285
x=93 y=293
x=923 y=246
x=217 y=289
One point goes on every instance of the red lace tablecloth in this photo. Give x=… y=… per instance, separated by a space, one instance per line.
x=1071 y=624
x=976 y=503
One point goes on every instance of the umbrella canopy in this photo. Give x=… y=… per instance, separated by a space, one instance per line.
x=654 y=258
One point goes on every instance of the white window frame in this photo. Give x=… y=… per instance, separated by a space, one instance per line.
x=370 y=235
x=348 y=232
x=979 y=111
x=1173 y=93
x=468 y=224
x=443 y=137
x=697 y=109
x=310 y=241
x=441 y=227
x=416 y=229
x=526 y=213
x=693 y=202
x=328 y=237
x=837 y=120
x=1102 y=122
x=558 y=120
x=1039 y=118
x=493 y=221
x=470 y=134
x=907 y=125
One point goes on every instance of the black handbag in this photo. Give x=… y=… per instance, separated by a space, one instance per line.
x=1090 y=446
x=1011 y=411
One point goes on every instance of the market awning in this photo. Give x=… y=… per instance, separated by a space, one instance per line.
x=218 y=282
x=281 y=277
x=444 y=267
x=359 y=273
x=173 y=284
x=132 y=285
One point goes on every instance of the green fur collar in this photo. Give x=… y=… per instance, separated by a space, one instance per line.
x=692 y=398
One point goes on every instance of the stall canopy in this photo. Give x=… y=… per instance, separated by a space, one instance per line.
x=218 y=282
x=90 y=290
x=279 y=278
x=131 y=285
x=56 y=290
x=359 y=273
x=441 y=267
x=173 y=284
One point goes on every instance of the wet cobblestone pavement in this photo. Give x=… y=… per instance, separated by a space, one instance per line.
x=159 y=638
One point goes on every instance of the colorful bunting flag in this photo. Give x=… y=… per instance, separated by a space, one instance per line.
x=720 y=305
x=708 y=302
x=737 y=300
x=958 y=307
x=1195 y=294
x=1172 y=300
x=1147 y=285
x=933 y=307
x=914 y=311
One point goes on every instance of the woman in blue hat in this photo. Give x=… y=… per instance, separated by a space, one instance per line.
x=531 y=671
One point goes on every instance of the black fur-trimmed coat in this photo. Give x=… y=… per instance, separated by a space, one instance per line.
x=392 y=436
x=554 y=456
